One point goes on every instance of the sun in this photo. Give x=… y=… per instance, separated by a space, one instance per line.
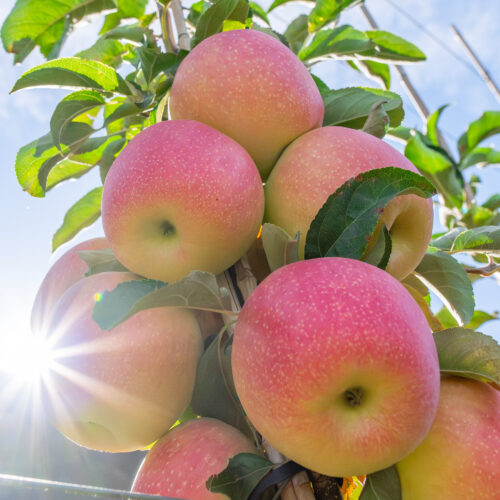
x=24 y=356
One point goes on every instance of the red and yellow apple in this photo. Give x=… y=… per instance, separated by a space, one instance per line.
x=335 y=365
x=318 y=163
x=460 y=457
x=68 y=269
x=181 y=462
x=119 y=390
x=251 y=87
x=181 y=196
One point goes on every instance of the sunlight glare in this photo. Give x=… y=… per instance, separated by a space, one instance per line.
x=25 y=356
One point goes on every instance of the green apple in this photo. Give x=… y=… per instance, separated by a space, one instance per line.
x=119 y=390
x=460 y=457
x=251 y=87
x=181 y=462
x=318 y=163
x=335 y=365
x=180 y=197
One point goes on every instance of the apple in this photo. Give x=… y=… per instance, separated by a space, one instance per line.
x=251 y=87
x=318 y=163
x=68 y=269
x=122 y=389
x=182 y=461
x=460 y=457
x=335 y=365
x=181 y=196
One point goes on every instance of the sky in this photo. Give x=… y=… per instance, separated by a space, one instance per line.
x=27 y=224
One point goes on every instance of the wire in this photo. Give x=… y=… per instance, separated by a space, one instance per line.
x=437 y=40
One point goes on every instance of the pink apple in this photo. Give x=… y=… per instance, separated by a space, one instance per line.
x=460 y=457
x=181 y=462
x=251 y=87
x=335 y=365
x=318 y=163
x=119 y=390
x=181 y=196
x=68 y=269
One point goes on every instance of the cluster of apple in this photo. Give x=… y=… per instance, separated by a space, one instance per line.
x=333 y=361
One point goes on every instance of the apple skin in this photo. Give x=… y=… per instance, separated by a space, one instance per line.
x=182 y=461
x=181 y=196
x=319 y=332
x=251 y=87
x=119 y=390
x=319 y=162
x=460 y=457
x=68 y=269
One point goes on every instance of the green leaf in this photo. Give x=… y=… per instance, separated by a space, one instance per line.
x=81 y=215
x=480 y=157
x=296 y=33
x=212 y=19
x=350 y=107
x=326 y=11
x=278 y=3
x=382 y=485
x=448 y=280
x=119 y=111
x=470 y=354
x=479 y=130
x=335 y=43
x=479 y=318
x=322 y=86
x=131 y=8
x=69 y=108
x=437 y=167
x=279 y=247
x=242 y=474
x=79 y=164
x=214 y=392
x=393 y=48
x=109 y=156
x=133 y=32
x=259 y=12
x=101 y=261
x=404 y=134
x=42 y=23
x=484 y=239
x=446 y=319
x=153 y=62
x=493 y=202
x=198 y=290
x=73 y=73
x=107 y=51
x=478 y=216
x=377 y=71
x=91 y=8
x=377 y=121
x=349 y=217
x=431 y=125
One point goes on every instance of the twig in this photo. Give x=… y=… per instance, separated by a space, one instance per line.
x=162 y=15
x=183 y=40
x=491 y=268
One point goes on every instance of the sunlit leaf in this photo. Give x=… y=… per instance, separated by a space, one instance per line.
x=81 y=215
x=279 y=247
x=73 y=73
x=448 y=280
x=350 y=107
x=479 y=130
x=468 y=354
x=389 y=47
x=325 y=11
x=198 y=290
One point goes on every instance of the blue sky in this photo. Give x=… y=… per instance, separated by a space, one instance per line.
x=27 y=224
